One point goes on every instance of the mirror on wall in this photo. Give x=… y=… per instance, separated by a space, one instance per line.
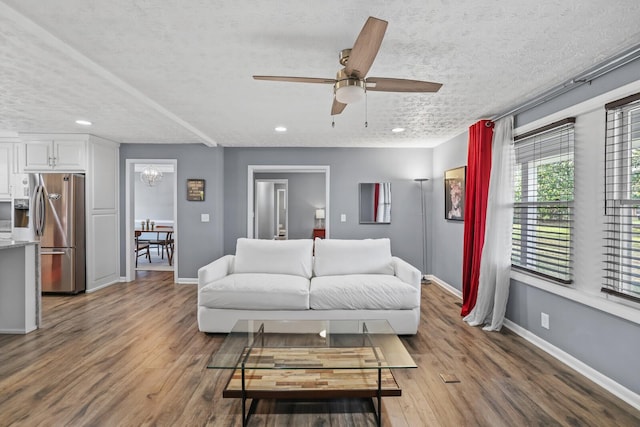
x=375 y=203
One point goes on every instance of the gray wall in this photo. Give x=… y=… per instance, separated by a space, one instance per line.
x=198 y=243
x=349 y=167
x=446 y=236
x=225 y=172
x=601 y=340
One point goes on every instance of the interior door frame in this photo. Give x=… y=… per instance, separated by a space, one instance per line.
x=130 y=164
x=254 y=169
x=285 y=199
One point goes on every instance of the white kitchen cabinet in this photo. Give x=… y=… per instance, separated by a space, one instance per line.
x=6 y=168
x=20 y=287
x=55 y=155
x=98 y=159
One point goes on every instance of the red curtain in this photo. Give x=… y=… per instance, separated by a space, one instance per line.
x=376 y=200
x=475 y=209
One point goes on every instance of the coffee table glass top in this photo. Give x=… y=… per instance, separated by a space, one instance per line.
x=311 y=344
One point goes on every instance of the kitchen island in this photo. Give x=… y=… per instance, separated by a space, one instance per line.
x=20 y=289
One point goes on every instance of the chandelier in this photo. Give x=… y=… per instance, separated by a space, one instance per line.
x=150 y=176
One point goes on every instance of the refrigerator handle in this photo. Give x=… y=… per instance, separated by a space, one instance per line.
x=38 y=218
x=35 y=205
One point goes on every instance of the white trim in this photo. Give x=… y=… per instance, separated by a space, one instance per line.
x=601 y=302
x=9 y=136
x=16 y=331
x=603 y=381
x=253 y=169
x=179 y=281
x=610 y=304
x=444 y=285
x=129 y=213
x=106 y=285
x=600 y=379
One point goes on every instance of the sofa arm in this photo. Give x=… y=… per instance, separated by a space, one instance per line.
x=215 y=270
x=407 y=272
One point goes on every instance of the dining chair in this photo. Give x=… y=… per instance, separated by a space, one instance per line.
x=164 y=241
x=142 y=248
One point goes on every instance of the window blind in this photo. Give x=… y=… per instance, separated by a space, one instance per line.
x=542 y=233
x=622 y=198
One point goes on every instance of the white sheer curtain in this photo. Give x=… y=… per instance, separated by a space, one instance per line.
x=495 y=264
x=384 y=202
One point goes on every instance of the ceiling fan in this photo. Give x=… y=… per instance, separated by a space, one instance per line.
x=351 y=82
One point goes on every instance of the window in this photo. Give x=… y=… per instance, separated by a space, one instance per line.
x=622 y=198
x=543 y=205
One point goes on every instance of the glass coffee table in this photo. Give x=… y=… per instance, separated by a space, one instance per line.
x=311 y=359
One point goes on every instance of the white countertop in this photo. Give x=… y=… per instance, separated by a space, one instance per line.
x=8 y=243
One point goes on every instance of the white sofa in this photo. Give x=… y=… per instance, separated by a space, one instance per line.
x=285 y=279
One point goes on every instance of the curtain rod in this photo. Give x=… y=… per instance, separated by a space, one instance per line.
x=586 y=77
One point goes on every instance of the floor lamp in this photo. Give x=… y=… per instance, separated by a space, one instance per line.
x=424 y=231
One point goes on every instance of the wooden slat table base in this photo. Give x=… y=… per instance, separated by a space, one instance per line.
x=313 y=383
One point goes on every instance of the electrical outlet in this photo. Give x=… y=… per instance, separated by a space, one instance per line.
x=544 y=320
x=343 y=218
x=204 y=217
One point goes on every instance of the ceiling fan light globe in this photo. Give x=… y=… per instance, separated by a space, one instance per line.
x=349 y=90
x=349 y=94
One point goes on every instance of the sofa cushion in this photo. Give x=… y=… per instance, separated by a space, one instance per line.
x=362 y=292
x=274 y=256
x=338 y=257
x=251 y=291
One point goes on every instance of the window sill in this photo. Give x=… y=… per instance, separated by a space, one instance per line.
x=609 y=304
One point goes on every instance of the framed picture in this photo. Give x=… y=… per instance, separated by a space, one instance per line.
x=195 y=190
x=454 y=187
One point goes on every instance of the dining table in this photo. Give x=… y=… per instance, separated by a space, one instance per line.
x=163 y=236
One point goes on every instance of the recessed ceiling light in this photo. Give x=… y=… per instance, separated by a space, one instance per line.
x=84 y=122
x=281 y=129
x=397 y=130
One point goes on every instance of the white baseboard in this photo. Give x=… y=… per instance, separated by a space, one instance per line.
x=181 y=281
x=97 y=288
x=602 y=380
x=16 y=331
x=597 y=377
x=445 y=285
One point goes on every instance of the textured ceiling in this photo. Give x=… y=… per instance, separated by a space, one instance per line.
x=180 y=71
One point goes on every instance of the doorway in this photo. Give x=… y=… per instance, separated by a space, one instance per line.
x=271 y=219
x=262 y=172
x=158 y=204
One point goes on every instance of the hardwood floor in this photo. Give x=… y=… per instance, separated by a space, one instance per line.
x=131 y=355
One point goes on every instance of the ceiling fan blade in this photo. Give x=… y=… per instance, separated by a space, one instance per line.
x=337 y=107
x=383 y=84
x=366 y=47
x=295 y=79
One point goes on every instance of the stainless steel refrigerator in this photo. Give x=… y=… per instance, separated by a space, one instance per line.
x=57 y=212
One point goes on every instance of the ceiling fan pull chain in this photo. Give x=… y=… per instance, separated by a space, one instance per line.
x=366 y=122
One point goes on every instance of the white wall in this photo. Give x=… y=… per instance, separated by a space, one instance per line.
x=155 y=203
